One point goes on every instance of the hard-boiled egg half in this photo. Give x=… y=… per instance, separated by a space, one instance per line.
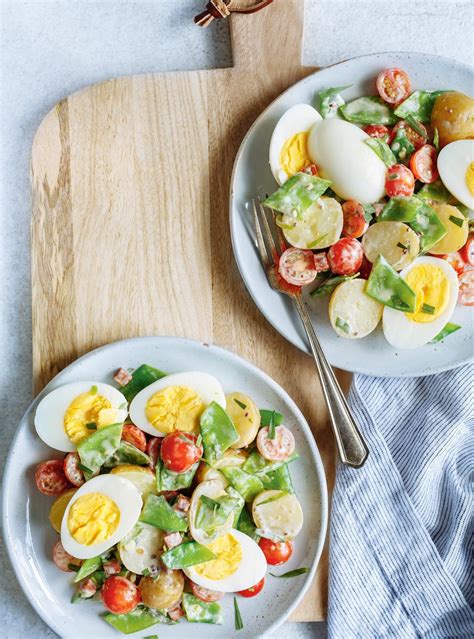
x=341 y=155
x=175 y=402
x=436 y=286
x=239 y=564
x=99 y=515
x=288 y=145
x=456 y=170
x=70 y=413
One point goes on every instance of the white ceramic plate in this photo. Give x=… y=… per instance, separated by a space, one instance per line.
x=29 y=536
x=372 y=355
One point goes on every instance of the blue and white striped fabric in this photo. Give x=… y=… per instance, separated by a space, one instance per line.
x=401 y=562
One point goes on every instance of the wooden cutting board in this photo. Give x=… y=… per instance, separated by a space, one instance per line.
x=130 y=233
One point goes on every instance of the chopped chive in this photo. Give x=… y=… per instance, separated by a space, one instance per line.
x=428 y=309
x=369 y=212
x=316 y=242
x=145 y=572
x=415 y=125
x=85 y=469
x=402 y=246
x=292 y=573
x=94 y=390
x=436 y=139
x=271 y=426
x=447 y=330
x=241 y=404
x=76 y=597
x=199 y=440
x=456 y=220
x=342 y=324
x=239 y=624
x=91 y=426
x=151 y=637
x=73 y=567
x=393 y=176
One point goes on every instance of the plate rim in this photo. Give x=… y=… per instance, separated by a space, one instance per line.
x=315 y=455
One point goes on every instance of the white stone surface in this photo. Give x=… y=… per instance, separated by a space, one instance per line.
x=50 y=49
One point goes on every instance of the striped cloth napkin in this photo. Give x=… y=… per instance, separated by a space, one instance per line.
x=401 y=545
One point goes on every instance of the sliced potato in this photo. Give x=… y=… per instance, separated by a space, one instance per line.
x=141 y=548
x=319 y=227
x=453 y=116
x=246 y=420
x=396 y=241
x=59 y=508
x=278 y=514
x=207 y=473
x=213 y=488
x=352 y=313
x=142 y=477
x=163 y=592
x=457 y=228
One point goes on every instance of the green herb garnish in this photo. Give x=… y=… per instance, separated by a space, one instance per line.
x=94 y=390
x=73 y=567
x=415 y=125
x=199 y=440
x=436 y=139
x=271 y=426
x=85 y=469
x=402 y=246
x=292 y=573
x=456 y=220
x=447 y=330
x=91 y=426
x=342 y=324
x=239 y=624
x=369 y=212
x=315 y=243
x=428 y=309
x=145 y=572
x=241 y=404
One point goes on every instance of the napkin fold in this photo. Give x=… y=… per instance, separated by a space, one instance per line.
x=401 y=539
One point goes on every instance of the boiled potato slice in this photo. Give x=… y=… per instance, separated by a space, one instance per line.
x=206 y=473
x=59 y=508
x=319 y=227
x=213 y=488
x=278 y=514
x=453 y=116
x=141 y=548
x=352 y=313
x=142 y=477
x=389 y=239
x=457 y=231
x=246 y=420
x=163 y=592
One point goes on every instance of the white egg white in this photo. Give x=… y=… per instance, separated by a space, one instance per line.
x=250 y=571
x=298 y=119
x=341 y=155
x=205 y=385
x=129 y=503
x=49 y=416
x=453 y=161
x=400 y=332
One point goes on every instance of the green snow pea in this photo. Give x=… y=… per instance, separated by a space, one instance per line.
x=383 y=151
x=188 y=554
x=278 y=479
x=417 y=214
x=213 y=513
x=330 y=100
x=266 y=416
x=88 y=567
x=127 y=454
x=419 y=105
x=198 y=611
x=247 y=526
x=142 y=377
x=401 y=146
x=329 y=284
x=297 y=194
x=255 y=464
x=246 y=484
x=436 y=191
x=368 y=110
x=139 y=619
x=157 y=512
x=389 y=288
x=98 y=447
x=449 y=329
x=218 y=432
x=168 y=480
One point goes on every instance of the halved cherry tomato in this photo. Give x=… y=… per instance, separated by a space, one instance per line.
x=276 y=552
x=423 y=164
x=71 y=469
x=378 y=131
x=467 y=251
x=455 y=260
x=312 y=169
x=50 y=478
x=296 y=266
x=354 y=219
x=153 y=450
x=205 y=594
x=278 y=448
x=179 y=451
x=466 y=288
x=63 y=559
x=133 y=435
x=345 y=256
x=120 y=595
x=399 y=181
x=321 y=263
x=415 y=138
x=254 y=590
x=393 y=85
x=365 y=268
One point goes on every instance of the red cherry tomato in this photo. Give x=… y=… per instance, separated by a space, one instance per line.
x=153 y=450
x=466 y=288
x=345 y=256
x=365 y=268
x=278 y=448
x=399 y=181
x=455 y=260
x=377 y=131
x=133 y=435
x=415 y=138
x=205 y=594
x=354 y=220
x=312 y=169
x=321 y=263
x=467 y=251
x=120 y=595
x=423 y=164
x=63 y=559
x=276 y=552
x=254 y=590
x=393 y=85
x=71 y=469
x=179 y=451
x=296 y=266
x=50 y=478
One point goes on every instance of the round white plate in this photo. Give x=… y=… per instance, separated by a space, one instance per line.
x=29 y=536
x=372 y=355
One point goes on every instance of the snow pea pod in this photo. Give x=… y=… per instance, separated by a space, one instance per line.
x=388 y=287
x=127 y=454
x=213 y=513
x=255 y=464
x=198 y=611
x=383 y=151
x=88 y=567
x=188 y=554
x=98 y=447
x=330 y=100
x=168 y=480
x=139 y=619
x=157 y=512
x=419 y=105
x=266 y=416
x=401 y=146
x=279 y=479
x=328 y=285
x=142 y=377
x=218 y=432
x=436 y=191
x=368 y=110
x=419 y=215
x=297 y=194
x=246 y=484
x=246 y=525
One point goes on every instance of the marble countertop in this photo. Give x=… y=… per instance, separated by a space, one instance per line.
x=51 y=49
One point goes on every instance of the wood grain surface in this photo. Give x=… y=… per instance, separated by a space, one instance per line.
x=130 y=233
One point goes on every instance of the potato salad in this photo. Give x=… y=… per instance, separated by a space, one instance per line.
x=375 y=206
x=170 y=495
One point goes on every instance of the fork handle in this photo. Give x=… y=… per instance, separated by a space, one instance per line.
x=352 y=448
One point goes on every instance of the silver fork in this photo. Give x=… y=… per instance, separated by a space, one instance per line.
x=352 y=448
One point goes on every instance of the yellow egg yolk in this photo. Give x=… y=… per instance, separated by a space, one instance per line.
x=93 y=518
x=88 y=408
x=470 y=178
x=228 y=553
x=431 y=287
x=175 y=408
x=294 y=155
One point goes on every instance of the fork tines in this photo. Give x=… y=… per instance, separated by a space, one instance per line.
x=269 y=240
